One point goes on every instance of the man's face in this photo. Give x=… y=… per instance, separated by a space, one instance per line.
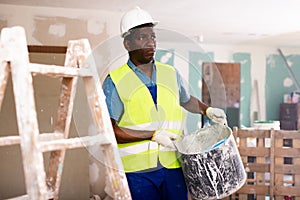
x=142 y=45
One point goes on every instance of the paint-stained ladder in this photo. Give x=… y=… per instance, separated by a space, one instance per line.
x=39 y=183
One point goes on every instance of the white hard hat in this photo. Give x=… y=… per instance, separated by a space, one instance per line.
x=133 y=18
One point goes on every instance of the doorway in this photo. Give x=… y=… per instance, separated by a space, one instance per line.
x=221 y=89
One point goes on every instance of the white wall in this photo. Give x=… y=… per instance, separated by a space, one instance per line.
x=55 y=26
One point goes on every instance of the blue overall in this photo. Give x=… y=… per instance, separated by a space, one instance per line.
x=159 y=184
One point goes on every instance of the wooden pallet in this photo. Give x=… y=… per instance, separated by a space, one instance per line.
x=272 y=161
x=286 y=164
x=41 y=184
x=254 y=148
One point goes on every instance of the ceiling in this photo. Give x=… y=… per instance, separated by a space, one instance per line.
x=264 y=22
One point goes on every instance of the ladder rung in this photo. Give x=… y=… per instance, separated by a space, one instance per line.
x=72 y=143
x=50 y=195
x=12 y=140
x=23 y=197
x=55 y=70
x=50 y=136
x=9 y=140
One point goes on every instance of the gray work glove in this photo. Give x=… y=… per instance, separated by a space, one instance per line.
x=165 y=138
x=216 y=115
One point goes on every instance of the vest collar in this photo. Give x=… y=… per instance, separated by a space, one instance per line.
x=135 y=68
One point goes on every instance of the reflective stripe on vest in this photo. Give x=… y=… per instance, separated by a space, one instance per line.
x=138 y=148
x=140 y=113
x=168 y=125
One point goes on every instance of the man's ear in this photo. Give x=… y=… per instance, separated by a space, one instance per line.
x=126 y=44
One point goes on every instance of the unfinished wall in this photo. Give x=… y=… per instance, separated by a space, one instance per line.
x=56 y=26
x=278 y=80
x=254 y=64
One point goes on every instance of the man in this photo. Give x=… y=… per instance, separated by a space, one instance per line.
x=145 y=100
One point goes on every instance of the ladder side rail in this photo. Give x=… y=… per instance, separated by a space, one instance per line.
x=4 y=64
x=4 y=73
x=33 y=163
x=63 y=121
x=96 y=99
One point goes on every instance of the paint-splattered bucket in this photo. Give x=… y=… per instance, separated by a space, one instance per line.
x=211 y=163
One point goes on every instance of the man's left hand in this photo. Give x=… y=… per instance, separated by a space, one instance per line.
x=216 y=115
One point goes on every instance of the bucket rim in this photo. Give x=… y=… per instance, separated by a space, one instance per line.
x=230 y=133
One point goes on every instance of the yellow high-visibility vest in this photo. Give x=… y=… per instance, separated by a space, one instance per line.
x=140 y=113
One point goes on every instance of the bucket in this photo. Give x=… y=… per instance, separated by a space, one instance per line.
x=267 y=125
x=211 y=163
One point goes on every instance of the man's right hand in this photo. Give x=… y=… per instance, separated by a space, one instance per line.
x=165 y=138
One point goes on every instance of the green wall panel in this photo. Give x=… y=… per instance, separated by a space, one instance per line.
x=165 y=56
x=279 y=82
x=195 y=79
x=245 y=61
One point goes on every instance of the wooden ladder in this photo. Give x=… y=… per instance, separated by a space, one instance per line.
x=40 y=184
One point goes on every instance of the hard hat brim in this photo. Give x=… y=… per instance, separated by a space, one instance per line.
x=128 y=32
